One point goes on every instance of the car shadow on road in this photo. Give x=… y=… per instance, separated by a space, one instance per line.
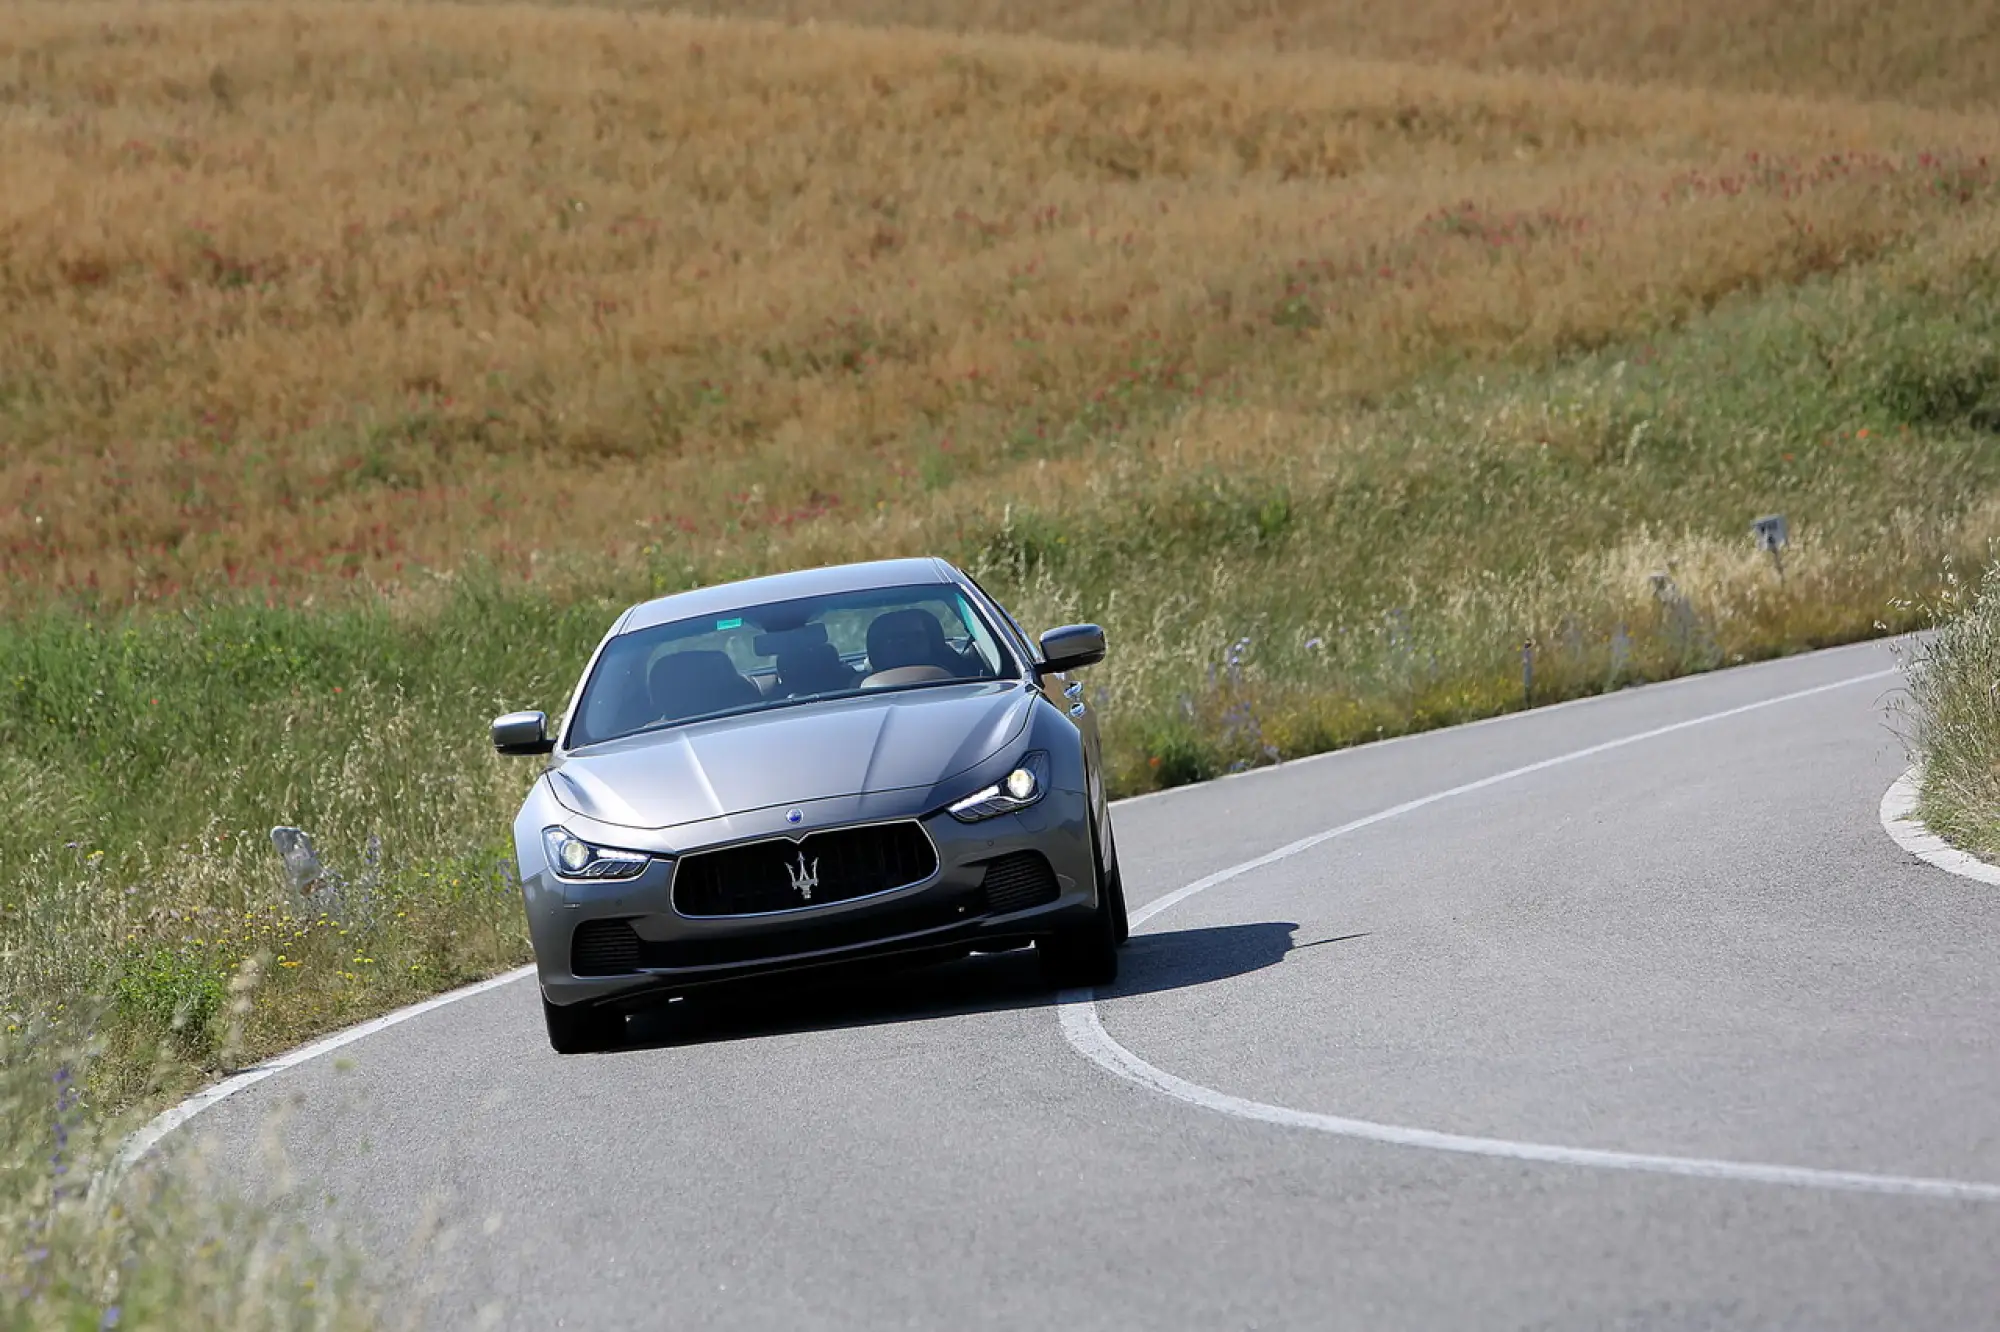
x=1151 y=963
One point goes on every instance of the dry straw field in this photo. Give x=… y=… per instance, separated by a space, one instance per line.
x=1928 y=52
x=306 y=292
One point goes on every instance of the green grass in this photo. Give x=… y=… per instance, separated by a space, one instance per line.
x=1955 y=696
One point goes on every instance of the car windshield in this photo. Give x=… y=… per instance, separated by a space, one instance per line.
x=784 y=653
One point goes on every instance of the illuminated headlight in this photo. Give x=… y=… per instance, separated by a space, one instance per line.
x=1017 y=790
x=574 y=858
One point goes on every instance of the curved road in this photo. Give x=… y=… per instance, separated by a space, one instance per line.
x=1597 y=943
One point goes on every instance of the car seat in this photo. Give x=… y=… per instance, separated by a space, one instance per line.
x=814 y=668
x=695 y=683
x=910 y=638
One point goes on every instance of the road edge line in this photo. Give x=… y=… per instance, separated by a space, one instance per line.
x=1083 y=1028
x=159 y=1126
x=1899 y=819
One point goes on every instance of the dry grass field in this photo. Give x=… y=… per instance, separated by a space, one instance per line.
x=1929 y=52
x=303 y=292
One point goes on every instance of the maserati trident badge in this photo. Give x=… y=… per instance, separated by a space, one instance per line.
x=805 y=877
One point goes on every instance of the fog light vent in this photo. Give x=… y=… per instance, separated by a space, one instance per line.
x=1019 y=881
x=604 y=948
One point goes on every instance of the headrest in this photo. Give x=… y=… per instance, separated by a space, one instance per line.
x=780 y=641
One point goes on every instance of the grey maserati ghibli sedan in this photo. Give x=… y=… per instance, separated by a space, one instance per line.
x=848 y=764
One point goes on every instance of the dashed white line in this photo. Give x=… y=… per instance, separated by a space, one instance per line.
x=1085 y=1031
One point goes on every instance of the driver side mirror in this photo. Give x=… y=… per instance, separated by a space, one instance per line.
x=523 y=733
x=1070 y=648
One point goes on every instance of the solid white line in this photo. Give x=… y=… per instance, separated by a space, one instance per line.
x=167 y=1121
x=1540 y=710
x=1291 y=849
x=1081 y=1026
x=1900 y=821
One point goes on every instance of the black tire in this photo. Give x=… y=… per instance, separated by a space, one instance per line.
x=581 y=1028
x=1114 y=884
x=1085 y=954
x=1112 y=881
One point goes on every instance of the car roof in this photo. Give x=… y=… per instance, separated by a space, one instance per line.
x=832 y=578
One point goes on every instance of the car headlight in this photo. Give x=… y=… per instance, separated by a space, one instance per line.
x=1017 y=790
x=574 y=858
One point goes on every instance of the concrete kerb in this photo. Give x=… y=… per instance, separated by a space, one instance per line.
x=1900 y=821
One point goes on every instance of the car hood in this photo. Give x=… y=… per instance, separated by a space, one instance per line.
x=789 y=755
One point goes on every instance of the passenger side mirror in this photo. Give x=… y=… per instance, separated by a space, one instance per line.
x=1070 y=648
x=523 y=733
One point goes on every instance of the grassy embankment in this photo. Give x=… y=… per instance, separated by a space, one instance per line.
x=359 y=363
x=1955 y=702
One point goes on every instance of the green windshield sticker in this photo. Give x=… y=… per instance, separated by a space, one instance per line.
x=736 y=623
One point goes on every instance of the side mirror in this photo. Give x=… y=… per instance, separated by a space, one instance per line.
x=1071 y=647
x=523 y=733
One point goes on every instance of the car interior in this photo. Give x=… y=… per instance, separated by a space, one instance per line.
x=904 y=646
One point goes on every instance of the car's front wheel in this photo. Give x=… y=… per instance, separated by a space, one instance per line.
x=1082 y=956
x=1114 y=887
x=1086 y=953
x=581 y=1028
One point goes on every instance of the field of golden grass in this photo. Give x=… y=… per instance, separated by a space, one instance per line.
x=1929 y=52
x=302 y=293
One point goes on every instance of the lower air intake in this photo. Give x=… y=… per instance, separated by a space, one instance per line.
x=1019 y=881
x=604 y=948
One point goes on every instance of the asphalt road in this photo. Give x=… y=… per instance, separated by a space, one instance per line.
x=1699 y=944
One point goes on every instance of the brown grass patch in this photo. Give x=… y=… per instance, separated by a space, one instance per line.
x=298 y=293
x=1929 y=52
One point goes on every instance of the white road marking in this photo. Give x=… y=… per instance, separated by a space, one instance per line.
x=167 y=1121
x=1081 y=1026
x=1900 y=821
x=1540 y=710
x=1289 y=850
x=1083 y=1030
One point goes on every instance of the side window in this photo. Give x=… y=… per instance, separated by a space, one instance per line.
x=968 y=624
x=1023 y=644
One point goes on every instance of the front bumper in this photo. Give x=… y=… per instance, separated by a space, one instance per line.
x=984 y=893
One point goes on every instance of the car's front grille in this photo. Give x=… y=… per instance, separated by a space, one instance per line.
x=1019 y=881
x=604 y=948
x=779 y=874
x=880 y=925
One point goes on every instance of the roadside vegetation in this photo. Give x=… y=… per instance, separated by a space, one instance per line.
x=157 y=1251
x=359 y=363
x=1955 y=698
